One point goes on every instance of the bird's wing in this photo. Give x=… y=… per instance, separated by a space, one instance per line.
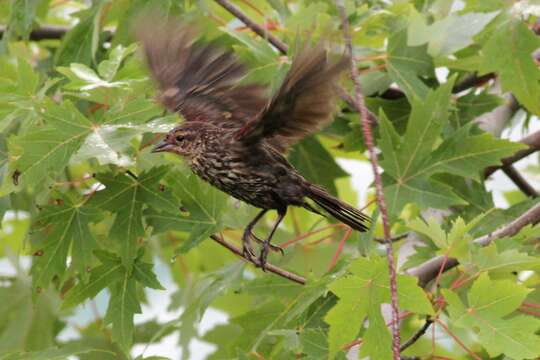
x=304 y=103
x=198 y=81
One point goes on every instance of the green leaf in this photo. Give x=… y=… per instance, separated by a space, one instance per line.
x=20 y=21
x=361 y=295
x=125 y=196
x=48 y=150
x=448 y=35
x=515 y=66
x=489 y=258
x=53 y=353
x=488 y=302
x=100 y=277
x=64 y=226
x=26 y=324
x=203 y=205
x=143 y=273
x=468 y=156
x=123 y=305
x=108 y=68
x=80 y=44
x=473 y=105
x=411 y=160
x=406 y=63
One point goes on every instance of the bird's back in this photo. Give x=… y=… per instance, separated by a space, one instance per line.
x=258 y=175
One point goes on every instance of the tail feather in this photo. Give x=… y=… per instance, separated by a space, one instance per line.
x=338 y=209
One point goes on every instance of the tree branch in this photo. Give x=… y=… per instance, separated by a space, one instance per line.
x=259 y=30
x=368 y=139
x=417 y=335
x=429 y=270
x=520 y=181
x=533 y=143
x=43 y=32
x=272 y=268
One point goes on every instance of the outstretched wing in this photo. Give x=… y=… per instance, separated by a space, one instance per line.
x=304 y=103
x=198 y=81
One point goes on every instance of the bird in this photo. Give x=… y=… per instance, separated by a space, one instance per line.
x=236 y=136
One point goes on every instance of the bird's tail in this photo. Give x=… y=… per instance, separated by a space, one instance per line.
x=338 y=209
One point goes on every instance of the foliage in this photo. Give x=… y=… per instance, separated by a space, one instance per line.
x=104 y=223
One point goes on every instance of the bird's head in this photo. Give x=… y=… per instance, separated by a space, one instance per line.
x=186 y=140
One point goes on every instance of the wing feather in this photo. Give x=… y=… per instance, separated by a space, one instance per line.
x=201 y=82
x=304 y=103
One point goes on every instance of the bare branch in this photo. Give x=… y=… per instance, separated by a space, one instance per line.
x=259 y=30
x=392 y=239
x=520 y=181
x=531 y=216
x=429 y=270
x=533 y=143
x=417 y=335
x=272 y=268
x=44 y=32
x=368 y=139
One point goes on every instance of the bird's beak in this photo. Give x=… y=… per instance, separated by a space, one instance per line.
x=161 y=146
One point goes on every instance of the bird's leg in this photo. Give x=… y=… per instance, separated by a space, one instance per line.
x=274 y=248
x=247 y=250
x=266 y=244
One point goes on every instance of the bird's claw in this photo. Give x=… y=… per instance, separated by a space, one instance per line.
x=264 y=255
x=247 y=250
x=272 y=247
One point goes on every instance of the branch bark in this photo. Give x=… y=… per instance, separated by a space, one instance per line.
x=368 y=139
x=533 y=143
x=259 y=30
x=44 y=32
x=430 y=269
x=272 y=268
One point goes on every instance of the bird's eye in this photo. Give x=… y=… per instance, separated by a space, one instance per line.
x=179 y=138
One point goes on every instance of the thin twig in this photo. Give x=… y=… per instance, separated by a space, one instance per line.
x=271 y=268
x=431 y=268
x=392 y=239
x=259 y=30
x=335 y=258
x=520 y=181
x=531 y=216
x=368 y=138
x=417 y=335
x=457 y=340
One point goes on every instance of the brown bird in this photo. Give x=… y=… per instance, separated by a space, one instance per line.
x=234 y=137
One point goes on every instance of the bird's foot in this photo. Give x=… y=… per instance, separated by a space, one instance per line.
x=247 y=250
x=274 y=248
x=263 y=256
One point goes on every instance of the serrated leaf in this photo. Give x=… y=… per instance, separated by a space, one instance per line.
x=65 y=226
x=143 y=273
x=123 y=305
x=406 y=63
x=488 y=302
x=125 y=196
x=48 y=150
x=448 y=35
x=202 y=205
x=100 y=277
x=516 y=67
x=79 y=45
x=361 y=294
x=467 y=156
x=488 y=258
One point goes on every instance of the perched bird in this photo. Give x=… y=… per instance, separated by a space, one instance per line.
x=234 y=137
